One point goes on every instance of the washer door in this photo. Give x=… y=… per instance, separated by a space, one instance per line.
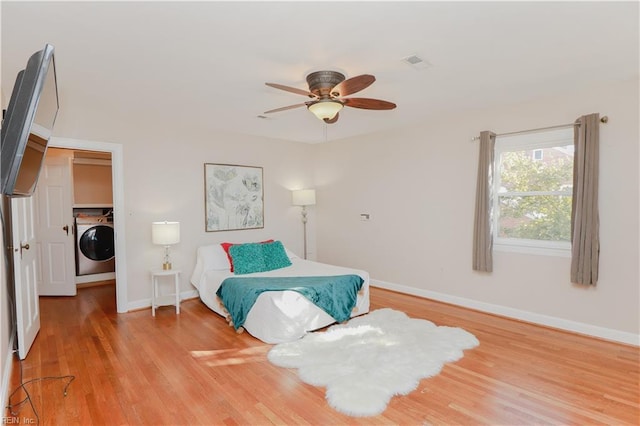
x=97 y=243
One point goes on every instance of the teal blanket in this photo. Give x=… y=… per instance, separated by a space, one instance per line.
x=336 y=295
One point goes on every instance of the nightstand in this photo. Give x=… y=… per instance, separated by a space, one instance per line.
x=156 y=298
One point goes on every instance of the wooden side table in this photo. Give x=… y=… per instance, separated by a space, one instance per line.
x=156 y=298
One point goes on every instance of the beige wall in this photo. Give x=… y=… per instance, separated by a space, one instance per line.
x=171 y=187
x=418 y=185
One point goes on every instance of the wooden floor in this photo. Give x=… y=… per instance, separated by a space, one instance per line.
x=193 y=369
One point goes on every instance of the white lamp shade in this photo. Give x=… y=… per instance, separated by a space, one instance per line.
x=165 y=233
x=325 y=109
x=304 y=197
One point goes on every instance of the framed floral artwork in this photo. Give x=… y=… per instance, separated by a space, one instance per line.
x=233 y=197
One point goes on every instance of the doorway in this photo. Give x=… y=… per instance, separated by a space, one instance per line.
x=117 y=176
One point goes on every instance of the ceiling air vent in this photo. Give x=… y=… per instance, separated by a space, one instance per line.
x=416 y=62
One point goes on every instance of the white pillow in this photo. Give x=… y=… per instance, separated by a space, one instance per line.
x=291 y=254
x=212 y=257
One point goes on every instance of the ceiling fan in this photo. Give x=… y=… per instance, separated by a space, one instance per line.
x=327 y=90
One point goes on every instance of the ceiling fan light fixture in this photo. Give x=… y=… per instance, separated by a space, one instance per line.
x=325 y=109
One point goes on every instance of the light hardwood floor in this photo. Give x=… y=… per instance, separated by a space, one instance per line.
x=193 y=369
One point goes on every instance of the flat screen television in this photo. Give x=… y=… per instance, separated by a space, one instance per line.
x=28 y=123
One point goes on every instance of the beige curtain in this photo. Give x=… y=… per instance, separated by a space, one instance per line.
x=585 y=223
x=482 y=238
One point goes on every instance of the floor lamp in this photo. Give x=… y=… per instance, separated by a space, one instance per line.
x=304 y=198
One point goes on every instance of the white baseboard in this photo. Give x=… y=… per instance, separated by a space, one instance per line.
x=146 y=303
x=7 y=369
x=82 y=279
x=546 y=320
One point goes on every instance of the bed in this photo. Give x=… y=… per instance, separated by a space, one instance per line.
x=276 y=316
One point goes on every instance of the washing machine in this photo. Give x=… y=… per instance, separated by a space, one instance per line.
x=95 y=245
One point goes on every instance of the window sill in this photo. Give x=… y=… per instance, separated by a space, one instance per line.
x=515 y=247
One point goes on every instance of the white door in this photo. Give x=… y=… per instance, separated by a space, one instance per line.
x=55 y=227
x=25 y=267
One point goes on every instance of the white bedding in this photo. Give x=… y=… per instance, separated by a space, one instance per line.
x=277 y=316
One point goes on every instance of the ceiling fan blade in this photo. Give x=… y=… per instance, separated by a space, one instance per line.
x=366 y=103
x=332 y=120
x=291 y=89
x=353 y=85
x=284 y=108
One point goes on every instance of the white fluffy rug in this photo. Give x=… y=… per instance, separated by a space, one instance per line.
x=366 y=361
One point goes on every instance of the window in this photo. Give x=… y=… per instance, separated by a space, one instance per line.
x=532 y=192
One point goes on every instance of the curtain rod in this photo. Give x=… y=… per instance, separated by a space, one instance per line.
x=604 y=119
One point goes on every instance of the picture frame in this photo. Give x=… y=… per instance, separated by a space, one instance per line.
x=233 y=197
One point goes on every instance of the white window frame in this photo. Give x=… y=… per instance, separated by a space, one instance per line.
x=525 y=141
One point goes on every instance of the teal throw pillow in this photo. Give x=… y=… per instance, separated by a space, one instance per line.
x=247 y=258
x=275 y=257
x=258 y=257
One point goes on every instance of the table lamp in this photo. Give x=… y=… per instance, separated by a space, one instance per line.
x=165 y=234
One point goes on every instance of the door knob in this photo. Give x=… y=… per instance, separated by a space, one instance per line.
x=66 y=228
x=23 y=246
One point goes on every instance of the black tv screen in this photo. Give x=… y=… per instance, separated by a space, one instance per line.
x=28 y=124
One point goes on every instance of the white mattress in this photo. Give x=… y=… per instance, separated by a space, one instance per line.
x=281 y=316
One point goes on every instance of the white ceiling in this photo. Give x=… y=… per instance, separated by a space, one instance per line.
x=207 y=62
